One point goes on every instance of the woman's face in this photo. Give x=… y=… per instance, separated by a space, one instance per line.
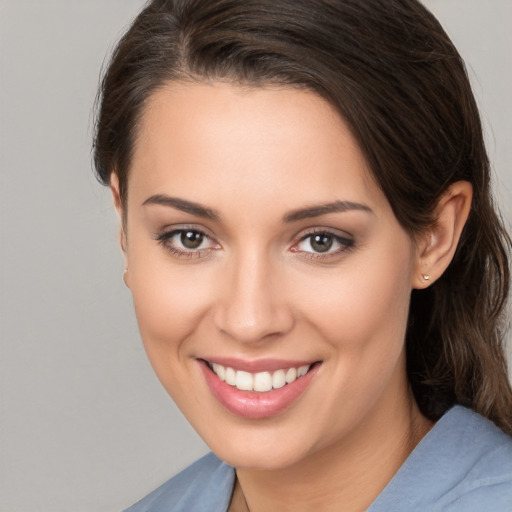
x=259 y=246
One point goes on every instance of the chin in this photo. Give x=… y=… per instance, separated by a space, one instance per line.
x=267 y=449
x=260 y=460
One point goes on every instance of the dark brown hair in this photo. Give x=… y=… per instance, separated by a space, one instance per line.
x=393 y=74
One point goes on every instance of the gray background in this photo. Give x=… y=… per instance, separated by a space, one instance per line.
x=84 y=424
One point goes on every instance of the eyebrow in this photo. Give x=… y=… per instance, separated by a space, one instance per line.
x=293 y=216
x=183 y=205
x=323 y=209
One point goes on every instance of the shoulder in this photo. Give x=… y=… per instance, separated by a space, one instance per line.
x=463 y=464
x=205 y=485
x=481 y=467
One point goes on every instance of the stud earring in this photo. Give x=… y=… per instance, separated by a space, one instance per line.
x=426 y=277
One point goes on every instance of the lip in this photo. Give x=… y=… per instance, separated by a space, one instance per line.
x=262 y=365
x=251 y=404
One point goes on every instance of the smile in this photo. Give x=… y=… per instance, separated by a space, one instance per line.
x=260 y=382
x=257 y=390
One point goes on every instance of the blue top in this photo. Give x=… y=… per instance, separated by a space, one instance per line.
x=464 y=464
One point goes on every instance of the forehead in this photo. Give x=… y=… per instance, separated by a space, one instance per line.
x=285 y=143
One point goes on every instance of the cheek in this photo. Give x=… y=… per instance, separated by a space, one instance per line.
x=170 y=301
x=167 y=304
x=362 y=308
x=361 y=319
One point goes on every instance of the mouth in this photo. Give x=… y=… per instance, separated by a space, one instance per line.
x=269 y=389
x=260 y=382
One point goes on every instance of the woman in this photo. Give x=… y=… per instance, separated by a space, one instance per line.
x=317 y=268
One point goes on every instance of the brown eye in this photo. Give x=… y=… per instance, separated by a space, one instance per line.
x=188 y=243
x=321 y=242
x=191 y=239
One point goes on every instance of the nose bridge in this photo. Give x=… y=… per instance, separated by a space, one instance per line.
x=251 y=308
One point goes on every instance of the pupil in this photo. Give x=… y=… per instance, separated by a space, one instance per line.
x=191 y=239
x=321 y=243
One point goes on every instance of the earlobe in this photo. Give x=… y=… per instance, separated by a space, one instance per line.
x=125 y=278
x=437 y=246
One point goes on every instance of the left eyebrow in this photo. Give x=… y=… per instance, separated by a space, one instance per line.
x=323 y=209
x=183 y=205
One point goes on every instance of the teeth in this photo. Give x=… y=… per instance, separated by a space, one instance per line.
x=302 y=371
x=262 y=382
x=243 y=381
x=291 y=375
x=278 y=379
x=259 y=382
x=220 y=371
x=230 y=376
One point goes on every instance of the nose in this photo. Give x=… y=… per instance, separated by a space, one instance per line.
x=253 y=305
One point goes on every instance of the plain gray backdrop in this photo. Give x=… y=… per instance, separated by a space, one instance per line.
x=84 y=424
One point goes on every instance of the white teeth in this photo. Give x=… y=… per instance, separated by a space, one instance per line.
x=230 y=376
x=220 y=371
x=262 y=382
x=291 y=375
x=302 y=371
x=259 y=382
x=243 y=381
x=278 y=379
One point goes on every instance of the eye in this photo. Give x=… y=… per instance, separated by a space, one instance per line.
x=191 y=239
x=187 y=242
x=320 y=244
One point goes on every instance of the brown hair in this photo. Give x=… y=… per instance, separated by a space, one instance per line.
x=395 y=77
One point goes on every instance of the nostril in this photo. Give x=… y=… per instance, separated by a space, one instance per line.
x=250 y=307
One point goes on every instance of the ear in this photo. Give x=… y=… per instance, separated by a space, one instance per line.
x=437 y=245
x=118 y=204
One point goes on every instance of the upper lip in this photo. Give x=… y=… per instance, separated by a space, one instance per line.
x=258 y=365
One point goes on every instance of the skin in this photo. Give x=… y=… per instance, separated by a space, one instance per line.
x=257 y=288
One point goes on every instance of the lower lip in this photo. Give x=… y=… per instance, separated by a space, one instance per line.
x=252 y=404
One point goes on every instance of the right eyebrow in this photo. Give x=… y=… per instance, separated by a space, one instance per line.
x=183 y=205
x=324 y=209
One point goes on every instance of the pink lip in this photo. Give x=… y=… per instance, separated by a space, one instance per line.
x=263 y=365
x=254 y=405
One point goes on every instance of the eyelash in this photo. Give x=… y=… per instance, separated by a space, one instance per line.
x=345 y=244
x=165 y=239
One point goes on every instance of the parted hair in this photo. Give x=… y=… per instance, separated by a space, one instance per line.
x=392 y=73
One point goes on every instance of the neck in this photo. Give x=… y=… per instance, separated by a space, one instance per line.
x=352 y=472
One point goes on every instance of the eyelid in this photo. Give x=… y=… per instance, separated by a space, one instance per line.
x=316 y=230
x=343 y=238
x=171 y=229
x=165 y=236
